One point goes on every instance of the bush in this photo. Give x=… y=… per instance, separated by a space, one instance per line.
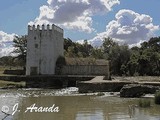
x=144 y=103
x=59 y=64
x=157 y=97
x=61 y=61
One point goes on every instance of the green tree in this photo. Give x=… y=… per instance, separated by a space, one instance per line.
x=20 y=44
x=97 y=53
x=108 y=43
x=146 y=59
x=74 y=49
x=7 y=61
x=118 y=55
x=67 y=43
x=86 y=49
x=133 y=64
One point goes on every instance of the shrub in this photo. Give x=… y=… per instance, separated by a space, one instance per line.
x=61 y=61
x=144 y=103
x=157 y=97
x=59 y=64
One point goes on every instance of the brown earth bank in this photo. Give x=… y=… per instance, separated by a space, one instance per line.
x=137 y=78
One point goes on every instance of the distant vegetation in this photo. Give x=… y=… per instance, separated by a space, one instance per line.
x=8 y=84
x=144 y=60
x=135 y=61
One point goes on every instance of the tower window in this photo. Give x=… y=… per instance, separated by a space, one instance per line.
x=35 y=38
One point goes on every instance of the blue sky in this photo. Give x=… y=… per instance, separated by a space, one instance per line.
x=136 y=21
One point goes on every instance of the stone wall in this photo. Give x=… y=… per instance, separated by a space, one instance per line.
x=53 y=81
x=86 y=70
x=100 y=87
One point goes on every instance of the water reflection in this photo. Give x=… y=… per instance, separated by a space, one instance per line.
x=73 y=107
x=8 y=100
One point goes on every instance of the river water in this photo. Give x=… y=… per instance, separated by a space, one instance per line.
x=67 y=104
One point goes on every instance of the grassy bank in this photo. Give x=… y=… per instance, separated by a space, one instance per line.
x=7 y=84
x=3 y=68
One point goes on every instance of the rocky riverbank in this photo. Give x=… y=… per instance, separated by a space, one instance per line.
x=129 y=86
x=137 y=90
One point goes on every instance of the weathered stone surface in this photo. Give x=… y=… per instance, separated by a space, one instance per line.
x=47 y=81
x=137 y=90
x=44 y=46
x=86 y=70
x=98 y=84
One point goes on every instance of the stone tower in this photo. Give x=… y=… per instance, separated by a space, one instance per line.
x=44 y=46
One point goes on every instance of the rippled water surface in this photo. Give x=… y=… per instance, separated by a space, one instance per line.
x=72 y=106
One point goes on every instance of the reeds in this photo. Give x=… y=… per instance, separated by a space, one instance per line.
x=144 y=103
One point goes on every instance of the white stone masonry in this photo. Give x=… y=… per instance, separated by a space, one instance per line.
x=44 y=46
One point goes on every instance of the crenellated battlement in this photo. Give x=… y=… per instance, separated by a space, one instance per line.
x=44 y=28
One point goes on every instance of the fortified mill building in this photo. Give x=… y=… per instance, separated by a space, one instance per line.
x=44 y=46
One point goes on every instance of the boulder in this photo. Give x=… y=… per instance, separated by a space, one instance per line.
x=137 y=90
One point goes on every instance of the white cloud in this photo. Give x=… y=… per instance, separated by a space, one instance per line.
x=6 y=51
x=4 y=37
x=96 y=41
x=6 y=43
x=129 y=27
x=73 y=14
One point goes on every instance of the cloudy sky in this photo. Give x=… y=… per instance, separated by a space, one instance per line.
x=127 y=21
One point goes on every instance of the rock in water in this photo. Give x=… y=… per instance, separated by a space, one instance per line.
x=137 y=90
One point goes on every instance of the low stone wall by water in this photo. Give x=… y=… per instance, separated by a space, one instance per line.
x=86 y=70
x=48 y=81
x=101 y=87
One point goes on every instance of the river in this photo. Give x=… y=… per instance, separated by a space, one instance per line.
x=67 y=104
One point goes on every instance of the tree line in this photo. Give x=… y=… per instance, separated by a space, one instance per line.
x=143 y=60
